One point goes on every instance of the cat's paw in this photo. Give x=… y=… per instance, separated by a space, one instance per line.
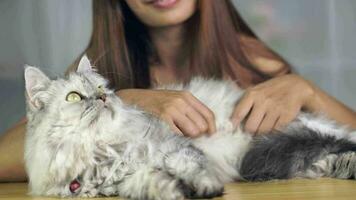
x=170 y=191
x=171 y=195
x=208 y=187
x=204 y=187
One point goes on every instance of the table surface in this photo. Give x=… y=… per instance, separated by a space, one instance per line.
x=297 y=189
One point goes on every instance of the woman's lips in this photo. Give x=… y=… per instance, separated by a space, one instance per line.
x=162 y=3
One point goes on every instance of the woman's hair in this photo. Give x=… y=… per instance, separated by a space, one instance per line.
x=120 y=46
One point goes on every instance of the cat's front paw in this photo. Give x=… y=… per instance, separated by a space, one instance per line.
x=204 y=187
x=207 y=187
x=171 y=195
x=168 y=191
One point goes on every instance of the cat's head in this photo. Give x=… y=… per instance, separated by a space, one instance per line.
x=63 y=117
x=80 y=99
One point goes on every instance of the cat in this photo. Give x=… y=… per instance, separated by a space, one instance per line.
x=83 y=141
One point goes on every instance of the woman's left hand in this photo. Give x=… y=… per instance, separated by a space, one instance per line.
x=273 y=103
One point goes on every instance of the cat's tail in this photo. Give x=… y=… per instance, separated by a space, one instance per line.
x=335 y=165
x=302 y=153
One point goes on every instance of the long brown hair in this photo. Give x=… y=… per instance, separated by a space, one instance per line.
x=120 y=46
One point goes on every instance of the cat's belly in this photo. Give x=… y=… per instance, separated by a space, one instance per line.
x=226 y=150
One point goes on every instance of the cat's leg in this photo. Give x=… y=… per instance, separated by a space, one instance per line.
x=191 y=166
x=150 y=184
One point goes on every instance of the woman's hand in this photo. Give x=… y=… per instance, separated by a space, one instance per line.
x=273 y=104
x=180 y=109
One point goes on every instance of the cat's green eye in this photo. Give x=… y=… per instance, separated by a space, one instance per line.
x=73 y=97
x=101 y=88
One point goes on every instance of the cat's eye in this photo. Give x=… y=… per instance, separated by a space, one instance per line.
x=73 y=97
x=101 y=88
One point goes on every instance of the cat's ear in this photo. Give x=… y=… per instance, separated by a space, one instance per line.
x=84 y=65
x=36 y=82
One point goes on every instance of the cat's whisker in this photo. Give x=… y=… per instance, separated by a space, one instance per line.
x=165 y=155
x=89 y=110
x=148 y=129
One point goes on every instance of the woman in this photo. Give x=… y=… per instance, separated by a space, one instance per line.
x=138 y=44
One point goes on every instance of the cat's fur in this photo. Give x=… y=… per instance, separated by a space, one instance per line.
x=115 y=149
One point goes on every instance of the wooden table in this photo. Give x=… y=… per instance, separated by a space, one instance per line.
x=287 y=190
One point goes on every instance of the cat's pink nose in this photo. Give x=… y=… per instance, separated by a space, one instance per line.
x=102 y=97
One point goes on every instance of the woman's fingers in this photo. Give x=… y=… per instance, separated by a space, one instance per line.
x=175 y=128
x=203 y=110
x=287 y=117
x=254 y=119
x=171 y=124
x=258 y=113
x=183 y=112
x=241 y=110
x=186 y=125
x=268 y=122
x=187 y=114
x=198 y=119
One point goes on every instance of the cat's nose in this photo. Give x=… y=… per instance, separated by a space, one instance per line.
x=102 y=97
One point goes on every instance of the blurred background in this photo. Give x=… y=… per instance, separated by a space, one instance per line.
x=316 y=37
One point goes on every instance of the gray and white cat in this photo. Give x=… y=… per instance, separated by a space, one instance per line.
x=83 y=141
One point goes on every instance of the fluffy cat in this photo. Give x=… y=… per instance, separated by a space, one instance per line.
x=83 y=141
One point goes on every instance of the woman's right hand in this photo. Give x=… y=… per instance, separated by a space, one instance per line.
x=184 y=113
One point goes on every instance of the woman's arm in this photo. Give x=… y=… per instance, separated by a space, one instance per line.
x=11 y=154
x=321 y=102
